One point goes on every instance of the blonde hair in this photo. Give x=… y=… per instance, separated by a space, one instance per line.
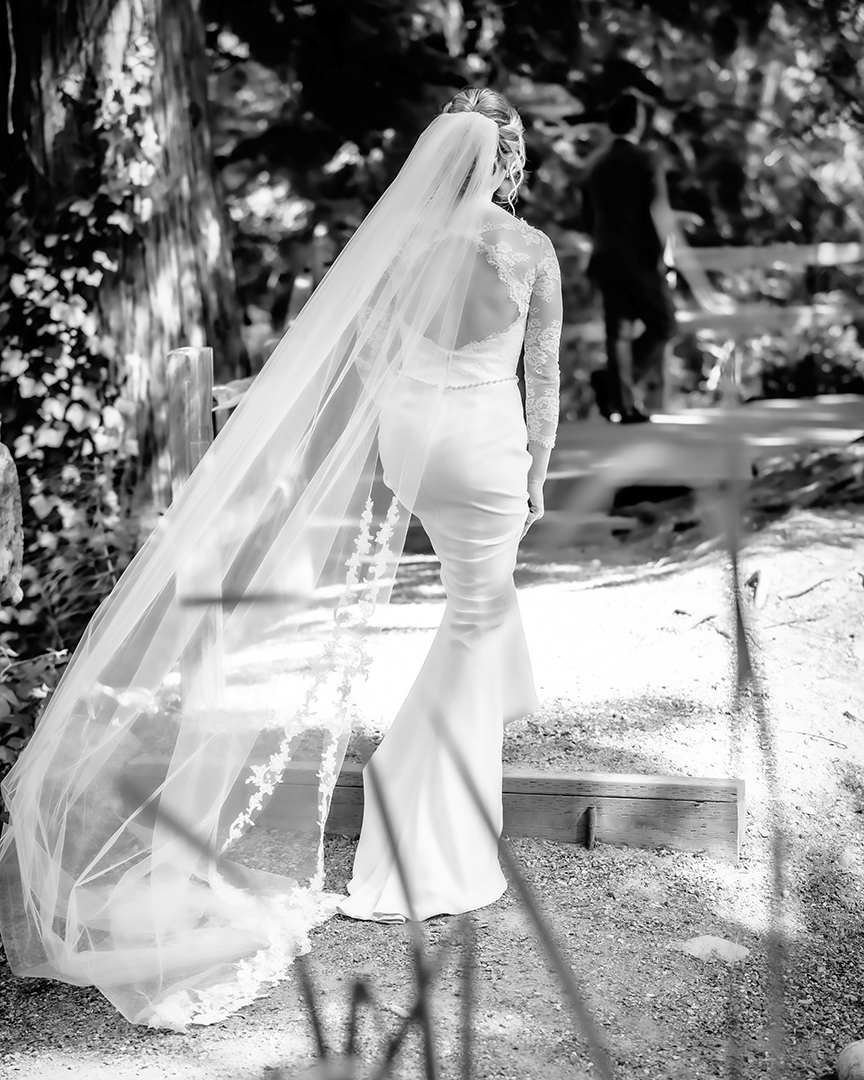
x=511 y=133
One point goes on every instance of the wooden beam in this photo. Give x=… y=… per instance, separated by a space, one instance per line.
x=745 y=320
x=681 y=812
x=190 y=429
x=691 y=447
x=791 y=256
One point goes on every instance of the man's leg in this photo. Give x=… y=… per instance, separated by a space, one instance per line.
x=619 y=362
x=653 y=304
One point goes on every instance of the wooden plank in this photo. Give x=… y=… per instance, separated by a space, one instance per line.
x=634 y=822
x=190 y=433
x=681 y=812
x=792 y=256
x=527 y=781
x=531 y=781
x=746 y=320
x=524 y=781
x=190 y=416
x=346 y=812
x=682 y=824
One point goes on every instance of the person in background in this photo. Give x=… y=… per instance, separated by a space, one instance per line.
x=627 y=214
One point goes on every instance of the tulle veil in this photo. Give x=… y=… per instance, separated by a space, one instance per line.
x=220 y=669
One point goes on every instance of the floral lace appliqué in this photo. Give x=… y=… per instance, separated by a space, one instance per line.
x=541 y=345
x=503 y=258
x=532 y=235
x=343 y=659
x=548 y=277
x=541 y=415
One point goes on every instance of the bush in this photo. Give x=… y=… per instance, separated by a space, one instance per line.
x=24 y=688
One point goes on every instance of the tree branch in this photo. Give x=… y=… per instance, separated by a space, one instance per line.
x=13 y=69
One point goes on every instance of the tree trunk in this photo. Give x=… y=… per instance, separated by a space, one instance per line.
x=11 y=534
x=174 y=279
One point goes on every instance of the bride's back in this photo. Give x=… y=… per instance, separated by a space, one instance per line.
x=502 y=260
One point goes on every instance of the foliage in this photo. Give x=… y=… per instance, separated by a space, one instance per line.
x=59 y=383
x=24 y=688
x=756 y=107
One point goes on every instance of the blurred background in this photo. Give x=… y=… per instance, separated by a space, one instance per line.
x=184 y=172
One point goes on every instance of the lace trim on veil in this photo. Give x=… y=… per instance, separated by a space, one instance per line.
x=285 y=920
x=95 y=888
x=345 y=651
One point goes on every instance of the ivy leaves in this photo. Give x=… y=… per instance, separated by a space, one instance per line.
x=60 y=402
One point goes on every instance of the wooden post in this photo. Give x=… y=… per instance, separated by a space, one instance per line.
x=190 y=418
x=190 y=423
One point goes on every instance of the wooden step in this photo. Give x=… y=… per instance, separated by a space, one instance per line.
x=687 y=813
x=680 y=812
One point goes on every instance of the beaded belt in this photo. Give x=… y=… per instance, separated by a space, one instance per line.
x=487 y=382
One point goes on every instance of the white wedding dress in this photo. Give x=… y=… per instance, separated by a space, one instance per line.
x=472 y=501
x=215 y=684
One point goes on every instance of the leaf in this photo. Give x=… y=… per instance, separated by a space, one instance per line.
x=103 y=260
x=51 y=436
x=91 y=277
x=709 y=947
x=78 y=416
x=8 y=695
x=122 y=220
x=18 y=285
x=13 y=363
x=41 y=505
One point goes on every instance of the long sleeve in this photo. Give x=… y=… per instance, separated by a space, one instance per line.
x=542 y=342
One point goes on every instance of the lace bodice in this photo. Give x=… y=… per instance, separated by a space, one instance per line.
x=525 y=263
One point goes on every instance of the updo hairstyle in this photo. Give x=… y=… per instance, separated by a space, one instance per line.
x=511 y=137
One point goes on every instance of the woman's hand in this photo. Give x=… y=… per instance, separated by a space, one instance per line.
x=536 y=506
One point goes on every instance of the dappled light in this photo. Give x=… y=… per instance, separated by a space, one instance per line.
x=295 y=782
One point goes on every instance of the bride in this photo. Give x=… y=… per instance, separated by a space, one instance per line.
x=140 y=857
x=482 y=469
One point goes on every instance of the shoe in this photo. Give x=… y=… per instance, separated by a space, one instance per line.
x=635 y=417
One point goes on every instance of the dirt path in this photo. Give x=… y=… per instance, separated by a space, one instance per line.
x=632 y=661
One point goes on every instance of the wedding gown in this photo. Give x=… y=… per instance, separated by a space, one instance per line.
x=214 y=685
x=472 y=502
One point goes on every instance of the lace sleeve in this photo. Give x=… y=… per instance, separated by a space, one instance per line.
x=542 y=339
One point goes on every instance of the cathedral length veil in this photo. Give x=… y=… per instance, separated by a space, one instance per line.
x=224 y=659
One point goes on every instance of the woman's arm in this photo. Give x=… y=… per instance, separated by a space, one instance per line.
x=542 y=377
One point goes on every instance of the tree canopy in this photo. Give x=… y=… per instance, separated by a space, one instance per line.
x=310 y=108
x=756 y=107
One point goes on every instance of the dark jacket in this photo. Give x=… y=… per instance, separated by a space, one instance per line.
x=621 y=183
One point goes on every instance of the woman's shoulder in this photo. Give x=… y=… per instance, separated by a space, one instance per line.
x=499 y=219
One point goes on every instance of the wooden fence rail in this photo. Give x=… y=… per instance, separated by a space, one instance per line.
x=789 y=256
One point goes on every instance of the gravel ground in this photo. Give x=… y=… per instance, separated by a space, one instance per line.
x=632 y=658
